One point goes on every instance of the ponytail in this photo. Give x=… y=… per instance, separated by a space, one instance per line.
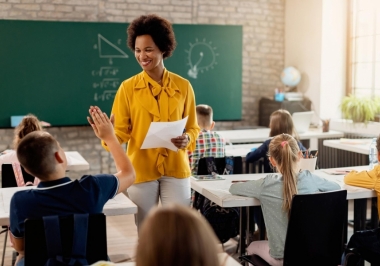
x=28 y=124
x=284 y=150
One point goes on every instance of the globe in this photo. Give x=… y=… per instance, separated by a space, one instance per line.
x=290 y=76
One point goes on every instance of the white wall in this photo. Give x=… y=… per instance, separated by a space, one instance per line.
x=316 y=44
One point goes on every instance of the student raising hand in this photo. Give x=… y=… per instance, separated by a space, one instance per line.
x=101 y=124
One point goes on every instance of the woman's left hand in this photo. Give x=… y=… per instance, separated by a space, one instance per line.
x=181 y=141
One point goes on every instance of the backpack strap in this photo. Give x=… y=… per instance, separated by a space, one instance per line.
x=53 y=241
x=52 y=236
x=80 y=238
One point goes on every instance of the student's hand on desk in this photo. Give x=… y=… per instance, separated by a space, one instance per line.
x=181 y=141
x=101 y=124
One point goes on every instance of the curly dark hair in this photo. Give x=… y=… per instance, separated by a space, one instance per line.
x=158 y=28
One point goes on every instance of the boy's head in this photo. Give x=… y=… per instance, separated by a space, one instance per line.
x=39 y=153
x=204 y=116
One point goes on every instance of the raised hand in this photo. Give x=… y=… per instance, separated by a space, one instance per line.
x=101 y=124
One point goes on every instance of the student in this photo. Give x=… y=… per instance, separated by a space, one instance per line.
x=176 y=235
x=366 y=243
x=28 y=124
x=280 y=122
x=155 y=95
x=209 y=143
x=275 y=193
x=41 y=155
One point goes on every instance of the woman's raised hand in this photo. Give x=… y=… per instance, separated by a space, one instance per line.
x=101 y=124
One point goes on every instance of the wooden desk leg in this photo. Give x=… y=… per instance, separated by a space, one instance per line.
x=360 y=213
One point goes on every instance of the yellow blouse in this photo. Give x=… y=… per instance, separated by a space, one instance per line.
x=136 y=105
x=366 y=179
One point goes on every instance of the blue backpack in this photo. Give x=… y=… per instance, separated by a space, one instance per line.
x=53 y=241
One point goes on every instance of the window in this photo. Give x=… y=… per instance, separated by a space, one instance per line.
x=364 y=66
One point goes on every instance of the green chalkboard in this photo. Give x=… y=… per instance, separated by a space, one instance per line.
x=56 y=70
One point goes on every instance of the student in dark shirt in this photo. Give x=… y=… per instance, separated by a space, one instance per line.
x=42 y=156
x=280 y=122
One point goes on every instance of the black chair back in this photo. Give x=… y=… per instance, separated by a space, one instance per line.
x=8 y=177
x=35 y=243
x=315 y=229
x=220 y=164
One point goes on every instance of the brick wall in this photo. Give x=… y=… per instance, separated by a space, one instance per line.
x=263 y=49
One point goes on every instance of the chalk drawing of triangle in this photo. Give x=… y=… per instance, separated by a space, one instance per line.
x=108 y=49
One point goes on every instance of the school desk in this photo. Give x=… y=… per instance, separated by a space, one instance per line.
x=355 y=145
x=75 y=161
x=218 y=192
x=119 y=205
x=240 y=149
x=222 y=256
x=262 y=134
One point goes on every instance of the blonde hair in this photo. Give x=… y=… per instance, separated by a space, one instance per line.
x=284 y=150
x=28 y=124
x=281 y=122
x=176 y=235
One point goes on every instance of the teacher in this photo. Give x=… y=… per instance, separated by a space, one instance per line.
x=155 y=95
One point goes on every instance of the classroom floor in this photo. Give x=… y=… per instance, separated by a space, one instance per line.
x=122 y=239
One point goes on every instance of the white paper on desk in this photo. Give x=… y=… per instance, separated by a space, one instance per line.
x=160 y=134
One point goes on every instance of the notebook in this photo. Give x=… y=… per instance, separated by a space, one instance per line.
x=302 y=120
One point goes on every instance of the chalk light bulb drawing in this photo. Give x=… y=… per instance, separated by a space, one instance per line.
x=201 y=57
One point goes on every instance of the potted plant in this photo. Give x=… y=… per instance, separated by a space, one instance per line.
x=360 y=109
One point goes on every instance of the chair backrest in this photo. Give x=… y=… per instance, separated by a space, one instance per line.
x=315 y=229
x=35 y=242
x=8 y=176
x=220 y=164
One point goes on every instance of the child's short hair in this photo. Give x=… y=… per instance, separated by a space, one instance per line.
x=35 y=153
x=378 y=144
x=204 y=115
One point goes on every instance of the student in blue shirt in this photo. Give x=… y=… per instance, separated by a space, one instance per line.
x=42 y=156
x=280 y=122
x=275 y=193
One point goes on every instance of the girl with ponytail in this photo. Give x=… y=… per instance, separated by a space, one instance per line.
x=275 y=192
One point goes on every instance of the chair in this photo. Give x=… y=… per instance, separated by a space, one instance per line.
x=220 y=164
x=36 y=252
x=8 y=177
x=315 y=230
x=8 y=180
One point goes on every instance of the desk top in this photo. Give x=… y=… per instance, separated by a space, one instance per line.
x=119 y=205
x=262 y=134
x=75 y=161
x=240 y=149
x=360 y=147
x=218 y=191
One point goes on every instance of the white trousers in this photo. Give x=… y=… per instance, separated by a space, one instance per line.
x=167 y=189
x=261 y=248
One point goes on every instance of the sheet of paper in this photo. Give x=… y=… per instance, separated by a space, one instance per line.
x=160 y=134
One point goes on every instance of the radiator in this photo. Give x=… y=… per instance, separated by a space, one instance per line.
x=332 y=157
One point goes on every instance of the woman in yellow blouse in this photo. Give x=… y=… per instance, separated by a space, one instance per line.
x=155 y=95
